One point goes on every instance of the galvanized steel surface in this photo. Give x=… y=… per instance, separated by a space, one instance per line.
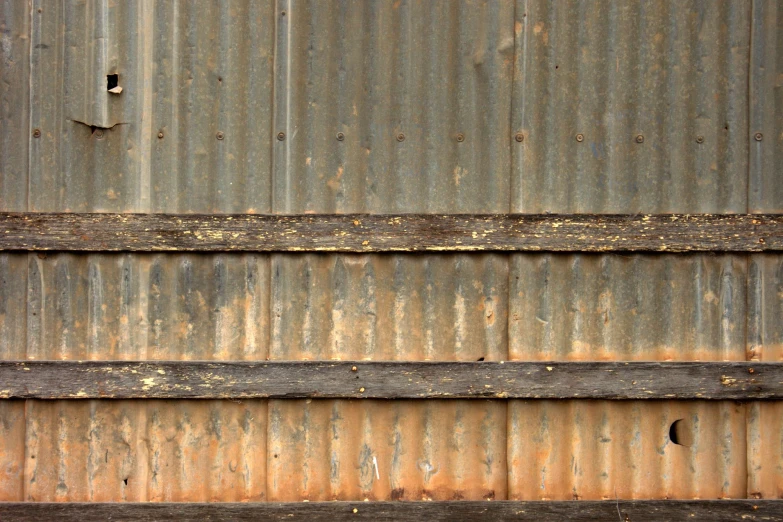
x=207 y=88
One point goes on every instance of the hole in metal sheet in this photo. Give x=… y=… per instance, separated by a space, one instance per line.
x=680 y=433
x=480 y=359
x=125 y=481
x=112 y=81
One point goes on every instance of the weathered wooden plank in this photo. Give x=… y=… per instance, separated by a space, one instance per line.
x=622 y=510
x=390 y=380
x=391 y=233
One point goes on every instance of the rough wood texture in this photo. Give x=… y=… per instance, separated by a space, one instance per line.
x=391 y=233
x=390 y=380
x=623 y=510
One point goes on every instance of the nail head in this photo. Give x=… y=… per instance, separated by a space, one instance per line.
x=280 y=136
x=460 y=137
x=160 y=135
x=400 y=137
x=639 y=139
x=219 y=135
x=340 y=136
x=519 y=137
x=699 y=139
x=37 y=133
x=580 y=138
x=758 y=136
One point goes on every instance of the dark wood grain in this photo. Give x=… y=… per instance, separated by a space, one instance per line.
x=391 y=233
x=390 y=380
x=623 y=510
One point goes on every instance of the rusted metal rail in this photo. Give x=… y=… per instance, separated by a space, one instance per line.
x=391 y=233
x=390 y=380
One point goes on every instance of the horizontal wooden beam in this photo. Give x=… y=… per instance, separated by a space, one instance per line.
x=391 y=233
x=390 y=380
x=580 y=510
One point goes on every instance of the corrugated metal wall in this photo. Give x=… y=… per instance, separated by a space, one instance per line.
x=208 y=88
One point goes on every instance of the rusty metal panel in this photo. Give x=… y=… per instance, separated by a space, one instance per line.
x=13 y=305
x=379 y=450
x=213 y=92
x=14 y=104
x=145 y=451
x=667 y=71
x=765 y=343
x=375 y=307
x=627 y=307
x=563 y=450
x=193 y=73
x=765 y=450
x=419 y=71
x=121 y=306
x=12 y=444
x=766 y=107
x=188 y=71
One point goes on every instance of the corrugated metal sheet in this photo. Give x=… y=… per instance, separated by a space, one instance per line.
x=14 y=104
x=152 y=451
x=373 y=70
x=564 y=450
x=670 y=71
x=765 y=343
x=766 y=107
x=635 y=307
x=187 y=71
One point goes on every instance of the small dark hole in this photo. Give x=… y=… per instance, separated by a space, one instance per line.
x=112 y=81
x=557 y=66
x=673 y=435
x=275 y=455
x=480 y=359
x=125 y=481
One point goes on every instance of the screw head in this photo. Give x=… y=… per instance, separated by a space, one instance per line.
x=758 y=136
x=400 y=137
x=99 y=134
x=699 y=139
x=639 y=139
x=160 y=135
x=36 y=133
x=460 y=137
x=280 y=136
x=219 y=135
x=340 y=136
x=580 y=138
x=519 y=137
